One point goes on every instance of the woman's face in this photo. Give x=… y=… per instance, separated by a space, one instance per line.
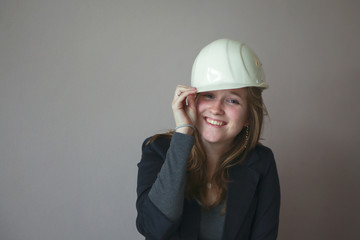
x=221 y=114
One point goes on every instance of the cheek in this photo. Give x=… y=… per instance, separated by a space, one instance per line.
x=239 y=115
x=200 y=107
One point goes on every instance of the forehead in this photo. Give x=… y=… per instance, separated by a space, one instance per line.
x=241 y=92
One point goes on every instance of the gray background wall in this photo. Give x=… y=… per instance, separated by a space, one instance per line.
x=83 y=82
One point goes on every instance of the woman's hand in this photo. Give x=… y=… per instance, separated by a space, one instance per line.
x=183 y=106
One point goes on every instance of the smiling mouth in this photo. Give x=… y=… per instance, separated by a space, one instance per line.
x=215 y=122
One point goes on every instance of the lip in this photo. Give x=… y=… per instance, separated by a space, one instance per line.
x=206 y=119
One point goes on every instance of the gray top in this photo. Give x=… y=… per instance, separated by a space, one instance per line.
x=212 y=223
x=167 y=192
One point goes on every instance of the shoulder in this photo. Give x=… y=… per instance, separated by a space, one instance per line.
x=162 y=142
x=260 y=159
x=263 y=151
x=157 y=144
x=155 y=148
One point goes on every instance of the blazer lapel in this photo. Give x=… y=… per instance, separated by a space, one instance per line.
x=241 y=190
x=191 y=221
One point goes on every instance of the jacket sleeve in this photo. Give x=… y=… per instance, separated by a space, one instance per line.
x=161 y=184
x=266 y=222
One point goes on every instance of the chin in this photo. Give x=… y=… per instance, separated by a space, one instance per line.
x=212 y=139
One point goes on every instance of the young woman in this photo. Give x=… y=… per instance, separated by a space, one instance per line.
x=210 y=178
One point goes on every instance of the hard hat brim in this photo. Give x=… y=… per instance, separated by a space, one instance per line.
x=224 y=86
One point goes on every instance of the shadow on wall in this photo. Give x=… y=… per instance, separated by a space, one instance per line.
x=322 y=189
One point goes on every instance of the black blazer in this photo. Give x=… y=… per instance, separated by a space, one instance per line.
x=252 y=207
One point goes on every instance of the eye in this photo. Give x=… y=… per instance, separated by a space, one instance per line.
x=234 y=101
x=208 y=95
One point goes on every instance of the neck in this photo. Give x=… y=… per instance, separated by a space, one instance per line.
x=214 y=152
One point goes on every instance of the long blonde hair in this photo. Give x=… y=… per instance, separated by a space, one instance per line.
x=197 y=179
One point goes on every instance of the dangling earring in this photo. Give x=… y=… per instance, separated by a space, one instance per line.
x=246 y=136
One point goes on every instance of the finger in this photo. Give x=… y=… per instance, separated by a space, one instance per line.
x=182 y=88
x=181 y=97
x=191 y=100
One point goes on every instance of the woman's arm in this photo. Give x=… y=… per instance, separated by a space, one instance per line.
x=161 y=184
x=162 y=172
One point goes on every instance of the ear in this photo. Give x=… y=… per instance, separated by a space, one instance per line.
x=246 y=124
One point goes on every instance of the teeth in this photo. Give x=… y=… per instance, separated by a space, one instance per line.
x=214 y=122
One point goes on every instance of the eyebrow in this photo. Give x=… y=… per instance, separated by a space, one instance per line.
x=230 y=93
x=234 y=93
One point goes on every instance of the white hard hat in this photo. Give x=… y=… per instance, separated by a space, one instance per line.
x=227 y=64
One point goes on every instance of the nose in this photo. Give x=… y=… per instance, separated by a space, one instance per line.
x=216 y=108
